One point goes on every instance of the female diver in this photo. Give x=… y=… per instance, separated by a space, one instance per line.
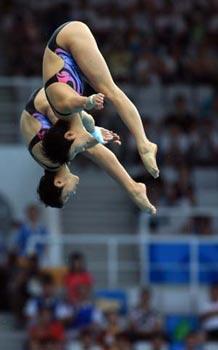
x=70 y=58
x=58 y=183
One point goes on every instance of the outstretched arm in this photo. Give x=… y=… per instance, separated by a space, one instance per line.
x=107 y=160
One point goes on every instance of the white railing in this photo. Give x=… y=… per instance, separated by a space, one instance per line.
x=113 y=266
x=178 y=217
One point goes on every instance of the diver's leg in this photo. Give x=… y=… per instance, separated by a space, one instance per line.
x=109 y=162
x=85 y=51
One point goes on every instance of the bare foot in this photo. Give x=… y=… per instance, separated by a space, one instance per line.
x=139 y=196
x=148 y=155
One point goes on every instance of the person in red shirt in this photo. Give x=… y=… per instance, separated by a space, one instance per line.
x=77 y=277
x=47 y=333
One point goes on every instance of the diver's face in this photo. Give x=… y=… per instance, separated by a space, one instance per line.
x=80 y=142
x=68 y=183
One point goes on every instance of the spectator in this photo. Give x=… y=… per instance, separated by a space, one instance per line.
x=194 y=341
x=87 y=341
x=145 y=321
x=84 y=313
x=8 y=272
x=121 y=342
x=159 y=343
x=113 y=329
x=46 y=298
x=209 y=315
x=199 y=225
x=25 y=284
x=174 y=144
x=181 y=116
x=77 y=277
x=30 y=229
x=46 y=333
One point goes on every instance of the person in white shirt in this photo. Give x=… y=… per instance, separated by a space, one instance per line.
x=209 y=315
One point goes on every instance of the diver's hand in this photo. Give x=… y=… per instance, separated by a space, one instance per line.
x=95 y=101
x=110 y=136
x=99 y=101
x=88 y=141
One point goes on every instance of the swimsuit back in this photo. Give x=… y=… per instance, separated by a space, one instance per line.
x=45 y=126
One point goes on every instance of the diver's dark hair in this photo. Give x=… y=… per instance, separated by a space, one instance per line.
x=54 y=145
x=48 y=193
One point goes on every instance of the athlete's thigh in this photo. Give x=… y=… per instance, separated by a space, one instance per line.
x=90 y=60
x=58 y=93
x=51 y=65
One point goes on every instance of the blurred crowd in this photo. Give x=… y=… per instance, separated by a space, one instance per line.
x=60 y=310
x=144 y=41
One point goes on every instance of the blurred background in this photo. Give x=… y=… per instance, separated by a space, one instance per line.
x=99 y=274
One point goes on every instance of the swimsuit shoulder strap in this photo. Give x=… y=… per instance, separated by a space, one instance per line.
x=30 y=106
x=52 y=43
x=36 y=139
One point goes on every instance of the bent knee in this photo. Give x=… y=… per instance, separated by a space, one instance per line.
x=63 y=105
x=81 y=26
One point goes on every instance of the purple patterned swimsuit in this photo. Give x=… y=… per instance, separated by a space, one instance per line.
x=45 y=126
x=70 y=74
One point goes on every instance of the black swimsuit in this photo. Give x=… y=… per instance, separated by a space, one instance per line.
x=45 y=126
x=70 y=74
